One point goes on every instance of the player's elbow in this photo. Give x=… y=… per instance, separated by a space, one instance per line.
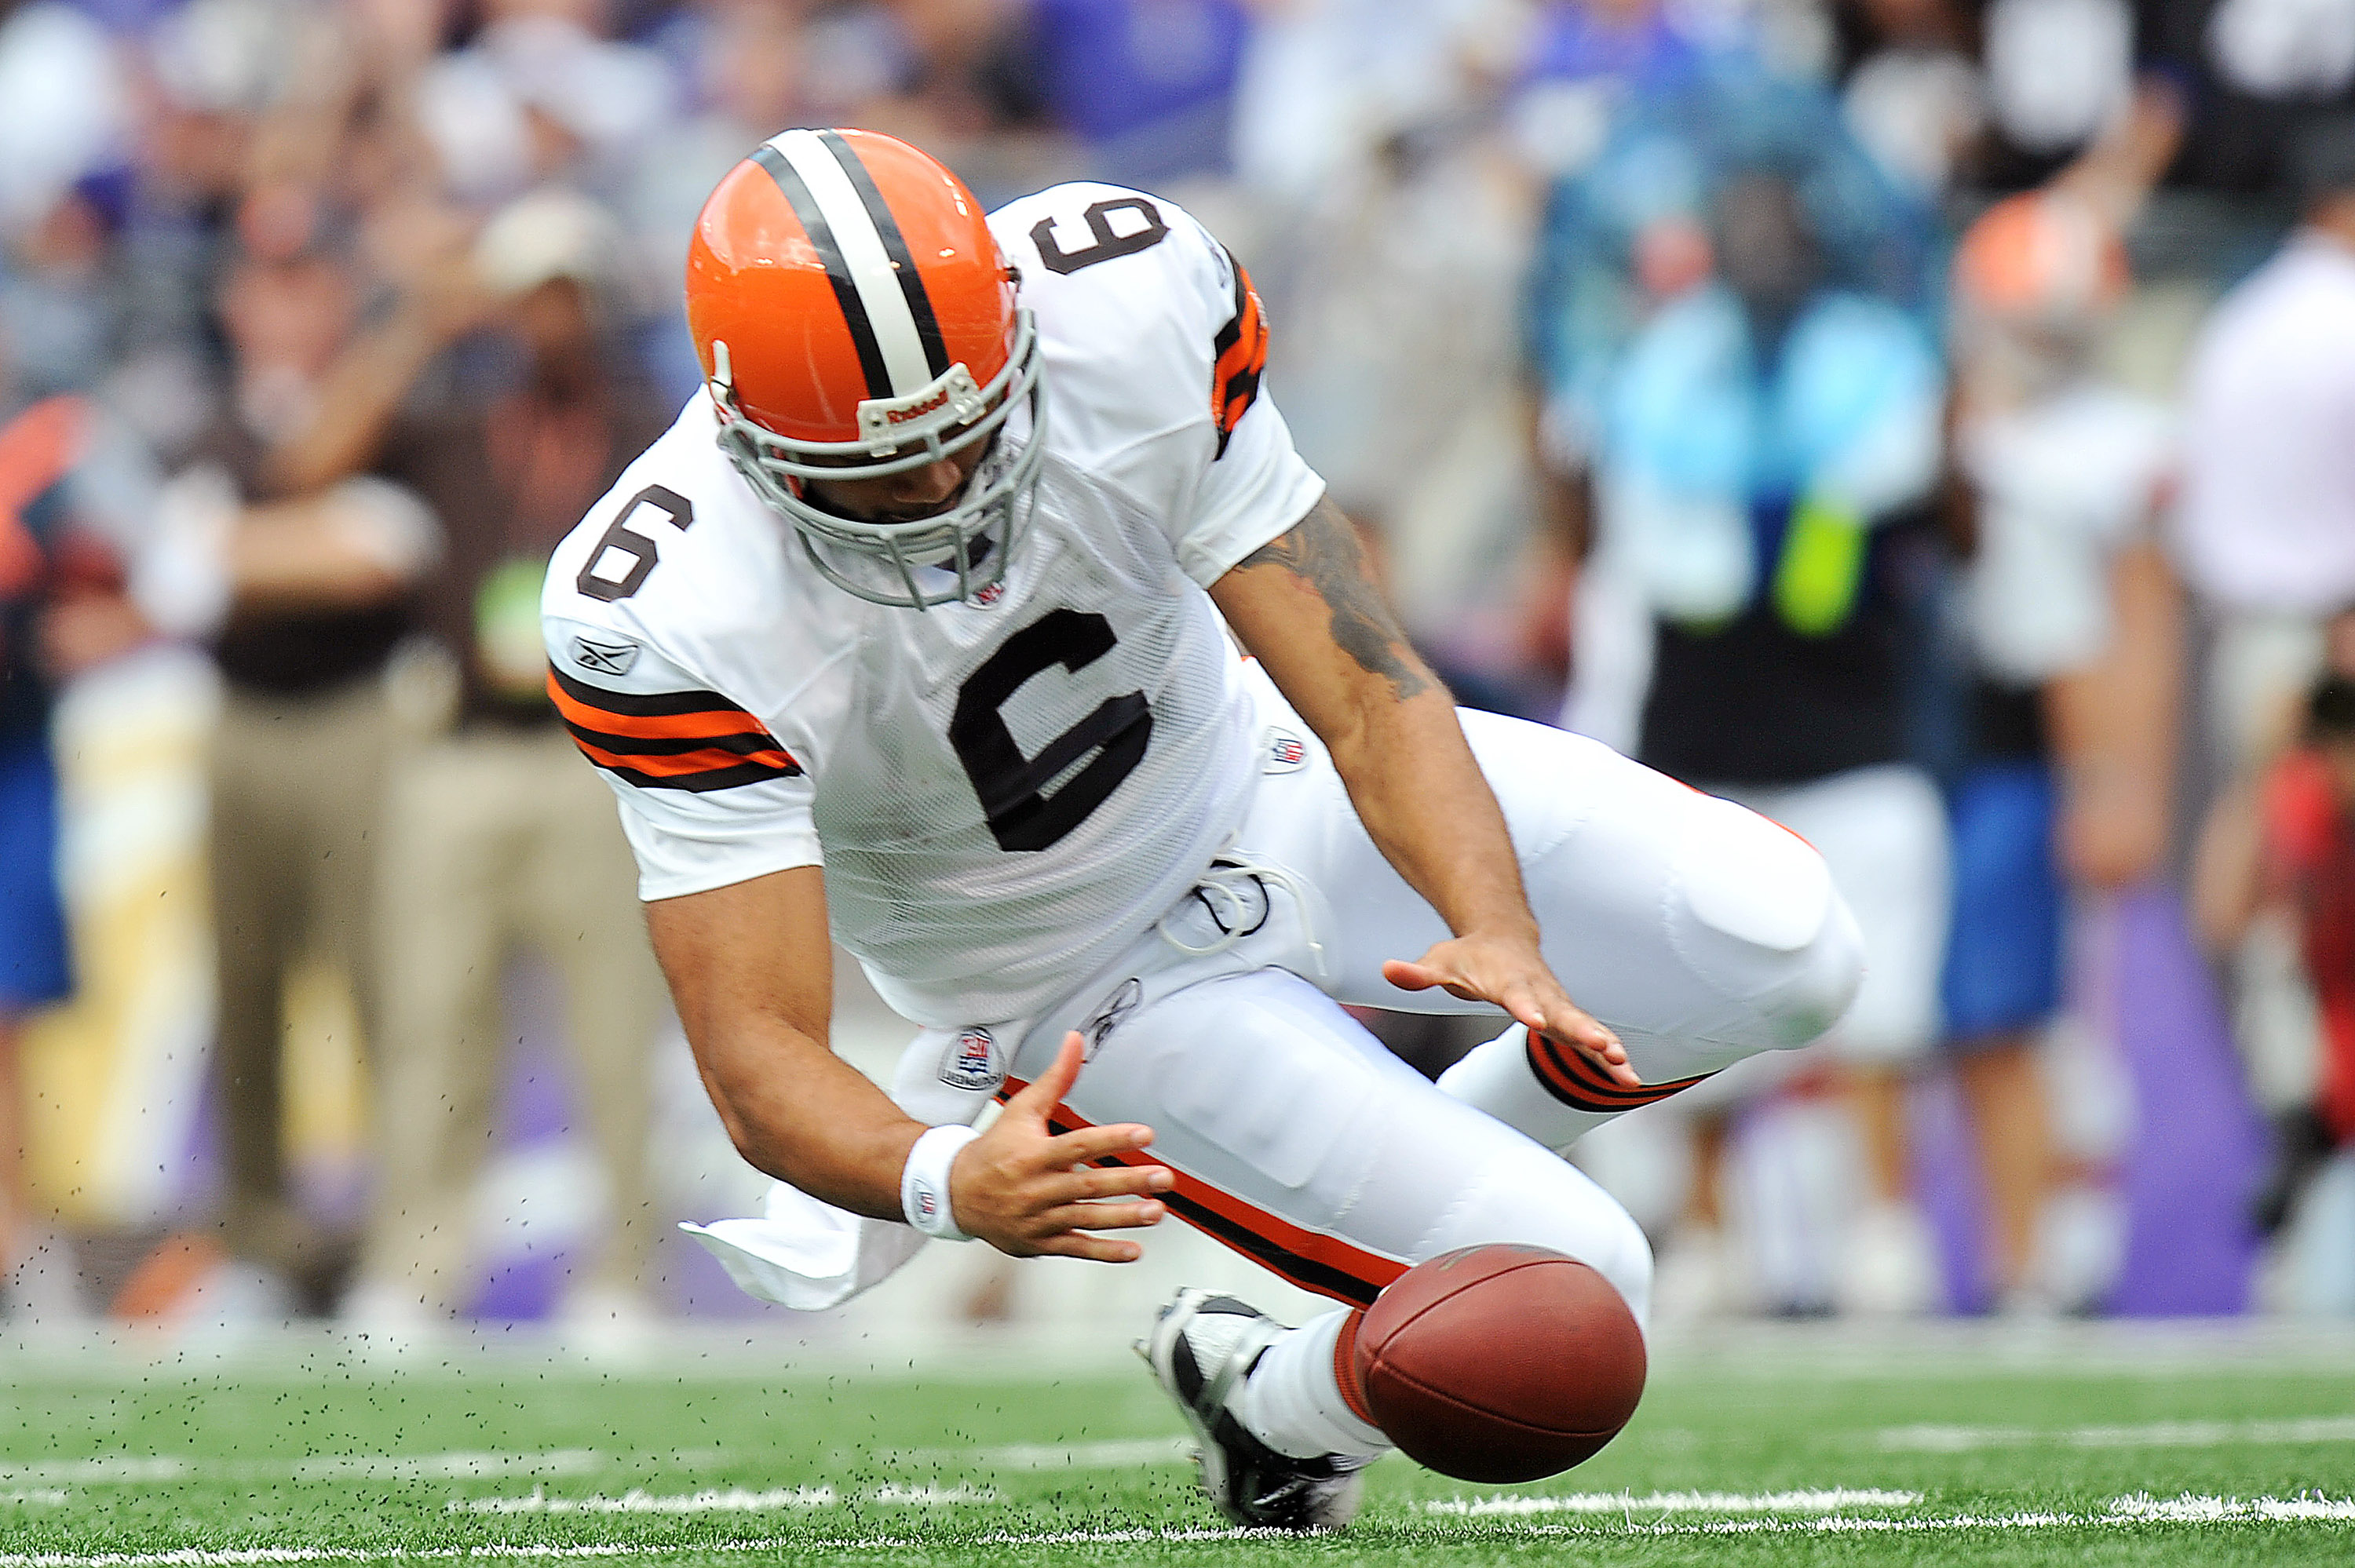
x=741 y=1129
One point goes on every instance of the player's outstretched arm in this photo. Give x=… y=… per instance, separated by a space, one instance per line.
x=1308 y=607
x=752 y=971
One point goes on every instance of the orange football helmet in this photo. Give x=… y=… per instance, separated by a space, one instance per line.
x=855 y=319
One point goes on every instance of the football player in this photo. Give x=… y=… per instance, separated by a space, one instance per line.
x=915 y=628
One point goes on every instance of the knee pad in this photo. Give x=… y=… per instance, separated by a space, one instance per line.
x=1758 y=917
x=1530 y=1196
x=1822 y=981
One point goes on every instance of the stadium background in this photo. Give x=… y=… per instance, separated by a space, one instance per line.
x=1394 y=174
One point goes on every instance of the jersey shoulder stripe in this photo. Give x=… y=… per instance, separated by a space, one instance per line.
x=1240 y=353
x=698 y=741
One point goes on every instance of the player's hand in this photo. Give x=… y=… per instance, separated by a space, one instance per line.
x=1511 y=972
x=1026 y=1190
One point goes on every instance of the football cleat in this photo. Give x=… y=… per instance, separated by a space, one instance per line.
x=1202 y=1349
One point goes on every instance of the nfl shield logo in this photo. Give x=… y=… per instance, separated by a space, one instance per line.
x=1286 y=753
x=971 y=1062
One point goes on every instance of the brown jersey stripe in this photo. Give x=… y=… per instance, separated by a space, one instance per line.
x=704 y=783
x=662 y=756
x=1241 y=350
x=706 y=759
x=749 y=744
x=1310 y=1259
x=661 y=715
x=1579 y=1084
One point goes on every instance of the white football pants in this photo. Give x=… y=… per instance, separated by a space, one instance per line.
x=1701 y=932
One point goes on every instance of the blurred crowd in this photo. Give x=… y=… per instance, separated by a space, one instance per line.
x=1922 y=420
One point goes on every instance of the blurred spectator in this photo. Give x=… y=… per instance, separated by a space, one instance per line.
x=2265 y=535
x=2287 y=843
x=305 y=590
x=1392 y=238
x=755 y=67
x=540 y=95
x=63 y=106
x=1774 y=414
x=494 y=841
x=1146 y=86
x=1915 y=97
x=2061 y=474
x=71 y=491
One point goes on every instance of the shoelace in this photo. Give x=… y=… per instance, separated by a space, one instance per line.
x=1220 y=891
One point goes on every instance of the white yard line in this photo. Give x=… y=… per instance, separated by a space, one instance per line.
x=735 y=1499
x=1825 y=1501
x=156 y=1467
x=445 y=1466
x=1114 y=1453
x=2184 y=1511
x=141 y=1470
x=2156 y=1434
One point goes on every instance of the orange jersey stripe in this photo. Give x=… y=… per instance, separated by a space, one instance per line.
x=1241 y=350
x=711 y=759
x=701 y=725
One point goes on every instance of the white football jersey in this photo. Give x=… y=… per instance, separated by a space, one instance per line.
x=1004 y=792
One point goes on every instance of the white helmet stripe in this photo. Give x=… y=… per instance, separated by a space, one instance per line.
x=862 y=252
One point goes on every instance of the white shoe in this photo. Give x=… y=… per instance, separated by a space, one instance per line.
x=1202 y=1348
x=1889 y=1265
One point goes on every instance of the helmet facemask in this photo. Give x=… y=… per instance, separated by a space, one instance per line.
x=965 y=545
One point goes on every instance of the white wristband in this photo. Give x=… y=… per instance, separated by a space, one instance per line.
x=924 y=1181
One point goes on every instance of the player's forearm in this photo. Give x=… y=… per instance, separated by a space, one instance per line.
x=1422 y=797
x=800 y=1114
x=363 y=391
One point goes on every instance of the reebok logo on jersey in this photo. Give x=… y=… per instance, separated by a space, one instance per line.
x=1109 y=1017
x=971 y=1062
x=1287 y=753
x=612 y=658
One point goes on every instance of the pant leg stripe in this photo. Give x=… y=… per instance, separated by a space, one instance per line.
x=1310 y=1259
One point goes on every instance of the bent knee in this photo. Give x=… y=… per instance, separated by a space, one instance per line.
x=1537 y=1199
x=1759 y=918
x=1821 y=983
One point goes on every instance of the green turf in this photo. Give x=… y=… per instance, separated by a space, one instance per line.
x=304 y=1450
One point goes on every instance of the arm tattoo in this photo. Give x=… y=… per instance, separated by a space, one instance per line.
x=1323 y=552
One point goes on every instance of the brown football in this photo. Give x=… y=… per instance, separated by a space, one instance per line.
x=1501 y=1363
